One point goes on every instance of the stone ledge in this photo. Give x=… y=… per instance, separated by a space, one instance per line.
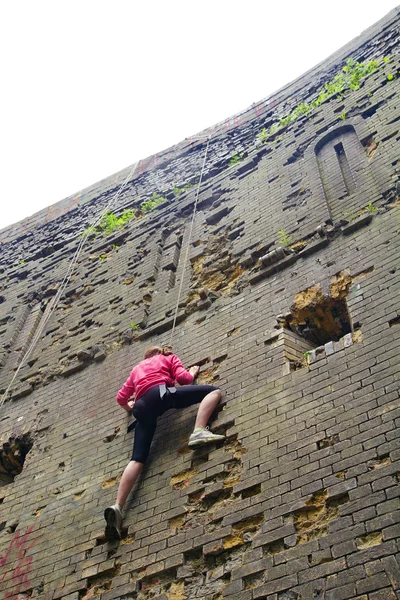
x=361 y=221
x=314 y=247
x=279 y=266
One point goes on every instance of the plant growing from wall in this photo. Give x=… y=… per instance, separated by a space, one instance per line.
x=370 y=208
x=235 y=158
x=110 y=222
x=151 y=204
x=348 y=78
x=349 y=216
x=177 y=191
x=284 y=238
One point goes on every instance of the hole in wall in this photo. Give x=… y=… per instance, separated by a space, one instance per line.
x=328 y=441
x=12 y=457
x=312 y=521
x=318 y=318
x=316 y=321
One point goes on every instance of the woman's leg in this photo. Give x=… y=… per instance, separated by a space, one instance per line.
x=208 y=396
x=144 y=432
x=128 y=480
x=146 y=416
x=206 y=408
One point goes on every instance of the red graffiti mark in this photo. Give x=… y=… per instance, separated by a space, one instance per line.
x=91 y=413
x=259 y=109
x=17 y=551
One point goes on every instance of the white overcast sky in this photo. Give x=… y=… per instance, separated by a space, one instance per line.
x=91 y=86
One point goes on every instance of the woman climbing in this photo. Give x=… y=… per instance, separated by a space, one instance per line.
x=151 y=383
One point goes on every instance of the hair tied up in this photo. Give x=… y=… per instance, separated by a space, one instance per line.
x=154 y=350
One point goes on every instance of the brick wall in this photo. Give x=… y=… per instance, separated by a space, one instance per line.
x=302 y=500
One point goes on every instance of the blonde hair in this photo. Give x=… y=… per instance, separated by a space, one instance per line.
x=154 y=350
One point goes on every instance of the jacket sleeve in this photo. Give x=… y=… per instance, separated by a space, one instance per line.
x=179 y=372
x=127 y=390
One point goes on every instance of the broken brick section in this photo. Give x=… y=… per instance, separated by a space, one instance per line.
x=289 y=303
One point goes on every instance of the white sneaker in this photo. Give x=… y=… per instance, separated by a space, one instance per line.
x=113 y=517
x=204 y=436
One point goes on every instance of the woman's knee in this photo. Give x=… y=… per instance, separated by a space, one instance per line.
x=140 y=456
x=217 y=391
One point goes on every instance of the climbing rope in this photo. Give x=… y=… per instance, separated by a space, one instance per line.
x=67 y=277
x=54 y=302
x=189 y=241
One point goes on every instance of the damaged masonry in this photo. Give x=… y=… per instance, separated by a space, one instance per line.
x=288 y=302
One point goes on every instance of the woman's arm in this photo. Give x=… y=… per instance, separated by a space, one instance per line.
x=179 y=372
x=128 y=407
x=127 y=390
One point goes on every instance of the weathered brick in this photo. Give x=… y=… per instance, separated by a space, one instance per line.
x=300 y=429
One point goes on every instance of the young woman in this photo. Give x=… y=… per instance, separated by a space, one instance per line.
x=151 y=383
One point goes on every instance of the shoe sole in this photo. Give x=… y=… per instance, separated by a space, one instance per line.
x=111 y=530
x=204 y=442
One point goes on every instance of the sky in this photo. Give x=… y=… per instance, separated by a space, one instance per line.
x=91 y=86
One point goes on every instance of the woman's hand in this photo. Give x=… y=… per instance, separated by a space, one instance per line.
x=130 y=404
x=194 y=371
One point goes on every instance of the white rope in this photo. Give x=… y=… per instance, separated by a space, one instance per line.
x=69 y=273
x=65 y=281
x=188 y=242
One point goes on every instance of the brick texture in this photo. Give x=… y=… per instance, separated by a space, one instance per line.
x=302 y=499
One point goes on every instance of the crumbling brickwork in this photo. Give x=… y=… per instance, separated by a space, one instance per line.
x=290 y=302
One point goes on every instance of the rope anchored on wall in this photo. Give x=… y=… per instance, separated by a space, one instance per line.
x=70 y=270
x=55 y=300
x=189 y=241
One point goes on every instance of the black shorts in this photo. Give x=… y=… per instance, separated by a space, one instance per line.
x=150 y=406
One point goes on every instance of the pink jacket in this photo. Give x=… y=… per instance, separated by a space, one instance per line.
x=153 y=371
